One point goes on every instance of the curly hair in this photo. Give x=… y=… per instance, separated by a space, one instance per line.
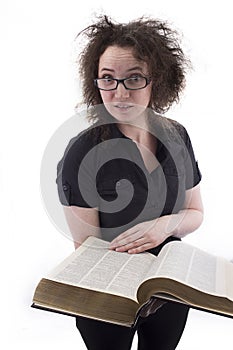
x=152 y=41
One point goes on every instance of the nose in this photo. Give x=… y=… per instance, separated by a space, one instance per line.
x=121 y=91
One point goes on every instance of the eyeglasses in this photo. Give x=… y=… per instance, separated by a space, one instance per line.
x=132 y=83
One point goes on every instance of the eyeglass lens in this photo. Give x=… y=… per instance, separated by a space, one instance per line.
x=133 y=83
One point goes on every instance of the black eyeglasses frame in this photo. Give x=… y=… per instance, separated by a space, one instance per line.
x=122 y=81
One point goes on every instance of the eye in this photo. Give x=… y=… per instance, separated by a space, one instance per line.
x=135 y=77
x=107 y=77
x=106 y=82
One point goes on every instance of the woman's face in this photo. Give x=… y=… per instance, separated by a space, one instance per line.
x=124 y=105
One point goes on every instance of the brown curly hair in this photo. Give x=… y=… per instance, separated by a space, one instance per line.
x=152 y=41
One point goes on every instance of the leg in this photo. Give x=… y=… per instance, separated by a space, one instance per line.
x=163 y=329
x=99 y=335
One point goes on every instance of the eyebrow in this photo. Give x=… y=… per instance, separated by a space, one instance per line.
x=135 y=68
x=128 y=70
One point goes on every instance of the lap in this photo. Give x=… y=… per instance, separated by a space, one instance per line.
x=161 y=330
x=99 y=335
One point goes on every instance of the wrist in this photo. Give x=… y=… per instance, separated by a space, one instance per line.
x=169 y=224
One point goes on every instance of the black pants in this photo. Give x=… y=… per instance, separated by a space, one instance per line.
x=159 y=331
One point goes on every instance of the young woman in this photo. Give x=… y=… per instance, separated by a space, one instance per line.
x=132 y=178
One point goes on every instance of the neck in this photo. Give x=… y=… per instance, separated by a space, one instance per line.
x=136 y=131
x=141 y=136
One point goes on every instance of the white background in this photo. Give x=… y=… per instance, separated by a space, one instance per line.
x=39 y=90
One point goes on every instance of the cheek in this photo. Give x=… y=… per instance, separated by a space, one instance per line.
x=144 y=97
x=106 y=96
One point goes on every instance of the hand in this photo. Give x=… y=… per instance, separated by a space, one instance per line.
x=141 y=237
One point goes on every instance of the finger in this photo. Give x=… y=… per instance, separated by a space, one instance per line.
x=125 y=237
x=131 y=245
x=142 y=248
x=125 y=241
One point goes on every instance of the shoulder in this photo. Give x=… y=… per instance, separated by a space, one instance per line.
x=84 y=141
x=175 y=127
x=170 y=130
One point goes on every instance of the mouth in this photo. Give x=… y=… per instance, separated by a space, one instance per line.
x=123 y=107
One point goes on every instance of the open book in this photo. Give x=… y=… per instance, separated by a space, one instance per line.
x=115 y=287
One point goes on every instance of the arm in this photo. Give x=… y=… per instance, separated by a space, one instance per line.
x=82 y=222
x=188 y=219
x=150 y=234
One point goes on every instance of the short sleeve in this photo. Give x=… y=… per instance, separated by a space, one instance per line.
x=76 y=176
x=192 y=171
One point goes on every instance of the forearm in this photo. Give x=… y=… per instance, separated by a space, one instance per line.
x=82 y=222
x=182 y=223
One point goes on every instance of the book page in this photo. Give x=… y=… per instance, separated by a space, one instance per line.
x=65 y=268
x=94 y=266
x=194 y=267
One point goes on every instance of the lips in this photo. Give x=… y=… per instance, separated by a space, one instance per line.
x=123 y=106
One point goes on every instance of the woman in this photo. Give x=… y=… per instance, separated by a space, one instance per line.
x=132 y=177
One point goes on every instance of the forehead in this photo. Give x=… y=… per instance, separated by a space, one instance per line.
x=116 y=57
